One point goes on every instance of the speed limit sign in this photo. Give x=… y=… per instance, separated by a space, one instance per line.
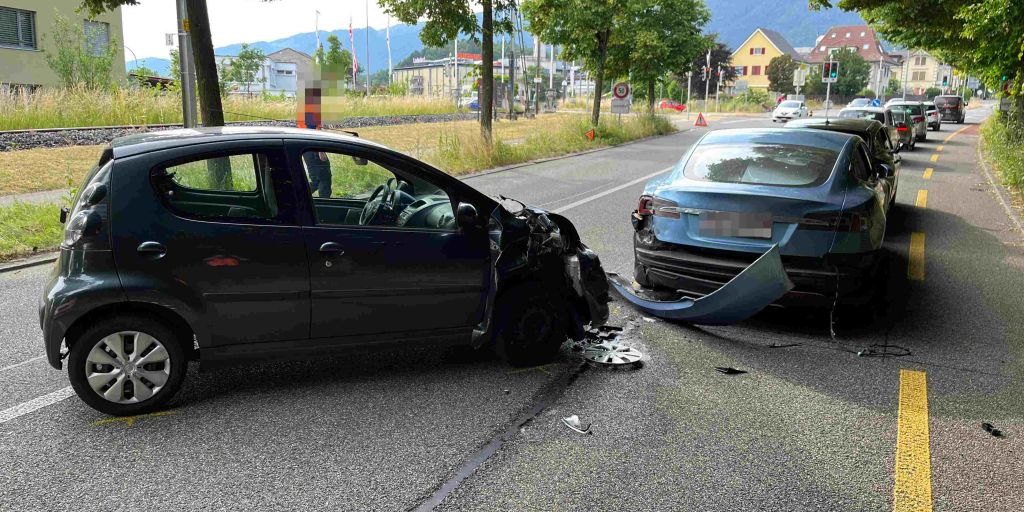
x=621 y=90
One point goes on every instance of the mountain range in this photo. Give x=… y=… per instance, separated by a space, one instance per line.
x=732 y=20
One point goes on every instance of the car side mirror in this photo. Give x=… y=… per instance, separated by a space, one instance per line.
x=885 y=171
x=466 y=216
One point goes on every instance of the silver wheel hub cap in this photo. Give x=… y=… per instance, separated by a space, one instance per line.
x=127 y=367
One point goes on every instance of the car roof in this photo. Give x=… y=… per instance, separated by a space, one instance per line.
x=878 y=110
x=139 y=143
x=817 y=138
x=849 y=126
x=905 y=102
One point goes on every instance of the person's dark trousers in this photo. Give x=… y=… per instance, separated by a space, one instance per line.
x=320 y=180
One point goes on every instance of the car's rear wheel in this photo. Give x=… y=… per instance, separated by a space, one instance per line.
x=126 y=365
x=530 y=326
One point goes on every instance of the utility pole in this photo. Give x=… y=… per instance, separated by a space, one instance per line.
x=718 y=86
x=457 y=89
x=188 y=70
x=689 y=82
x=906 y=66
x=367 y=48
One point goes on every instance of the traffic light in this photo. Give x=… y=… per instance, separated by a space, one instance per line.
x=829 y=71
x=945 y=80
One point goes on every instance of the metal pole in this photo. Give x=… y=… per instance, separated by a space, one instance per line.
x=367 y=47
x=906 y=66
x=188 y=74
x=689 y=83
x=718 y=85
x=828 y=93
x=456 y=88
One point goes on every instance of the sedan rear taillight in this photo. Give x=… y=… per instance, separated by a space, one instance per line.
x=646 y=206
x=851 y=222
x=902 y=128
x=658 y=207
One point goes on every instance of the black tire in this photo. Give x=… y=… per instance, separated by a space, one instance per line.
x=640 y=275
x=81 y=347
x=530 y=326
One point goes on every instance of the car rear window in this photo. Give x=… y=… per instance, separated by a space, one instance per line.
x=862 y=114
x=910 y=109
x=951 y=101
x=786 y=165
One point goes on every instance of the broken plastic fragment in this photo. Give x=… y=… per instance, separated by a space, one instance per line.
x=573 y=422
x=610 y=353
x=729 y=370
x=758 y=285
x=987 y=427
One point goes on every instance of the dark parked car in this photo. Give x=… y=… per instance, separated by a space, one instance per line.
x=209 y=244
x=736 y=193
x=951 y=108
x=881 y=114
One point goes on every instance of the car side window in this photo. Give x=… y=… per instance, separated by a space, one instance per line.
x=233 y=187
x=880 y=142
x=859 y=165
x=348 y=190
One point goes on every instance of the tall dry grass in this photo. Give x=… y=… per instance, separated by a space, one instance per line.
x=79 y=107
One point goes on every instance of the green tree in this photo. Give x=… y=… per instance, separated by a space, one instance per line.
x=318 y=55
x=338 y=59
x=658 y=36
x=853 y=72
x=175 y=64
x=446 y=19
x=780 y=74
x=584 y=28
x=893 y=88
x=932 y=92
x=245 y=67
x=143 y=70
x=79 y=57
x=721 y=55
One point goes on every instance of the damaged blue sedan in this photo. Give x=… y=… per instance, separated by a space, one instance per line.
x=808 y=198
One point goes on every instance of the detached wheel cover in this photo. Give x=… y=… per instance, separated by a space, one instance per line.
x=127 y=367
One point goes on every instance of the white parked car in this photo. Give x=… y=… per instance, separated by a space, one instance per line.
x=789 y=109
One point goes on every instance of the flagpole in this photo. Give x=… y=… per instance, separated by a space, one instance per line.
x=387 y=38
x=367 y=47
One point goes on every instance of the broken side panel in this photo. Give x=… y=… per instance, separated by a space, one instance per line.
x=760 y=284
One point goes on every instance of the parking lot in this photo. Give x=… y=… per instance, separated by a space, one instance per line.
x=877 y=415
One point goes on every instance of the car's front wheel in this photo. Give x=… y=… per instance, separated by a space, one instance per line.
x=126 y=365
x=530 y=326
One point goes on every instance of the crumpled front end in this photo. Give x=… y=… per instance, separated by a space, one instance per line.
x=535 y=245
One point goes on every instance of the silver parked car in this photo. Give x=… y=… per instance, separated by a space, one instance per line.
x=915 y=113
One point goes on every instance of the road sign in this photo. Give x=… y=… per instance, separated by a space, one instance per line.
x=170 y=39
x=741 y=86
x=700 y=120
x=799 y=77
x=537 y=80
x=590 y=134
x=829 y=72
x=620 y=105
x=1004 y=104
x=620 y=90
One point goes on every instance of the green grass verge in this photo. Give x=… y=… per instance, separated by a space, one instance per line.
x=28 y=228
x=1005 y=150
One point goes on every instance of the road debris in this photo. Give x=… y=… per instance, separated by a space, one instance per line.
x=884 y=351
x=987 y=427
x=758 y=285
x=612 y=353
x=573 y=422
x=729 y=370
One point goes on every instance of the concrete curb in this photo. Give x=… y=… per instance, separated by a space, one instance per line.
x=41 y=259
x=1000 y=191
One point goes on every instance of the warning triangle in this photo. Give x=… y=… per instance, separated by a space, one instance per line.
x=590 y=134
x=700 y=120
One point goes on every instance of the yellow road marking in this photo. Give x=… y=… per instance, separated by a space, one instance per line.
x=939 y=148
x=935 y=157
x=915 y=266
x=130 y=420
x=913 y=487
x=922 y=199
x=954 y=134
x=928 y=173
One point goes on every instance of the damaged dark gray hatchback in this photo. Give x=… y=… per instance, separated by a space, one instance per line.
x=227 y=245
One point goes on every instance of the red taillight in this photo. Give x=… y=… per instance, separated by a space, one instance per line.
x=902 y=128
x=646 y=206
x=918 y=119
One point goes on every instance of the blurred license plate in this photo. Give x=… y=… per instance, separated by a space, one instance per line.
x=747 y=225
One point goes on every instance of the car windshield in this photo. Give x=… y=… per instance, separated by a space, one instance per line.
x=860 y=102
x=790 y=104
x=910 y=109
x=862 y=114
x=788 y=165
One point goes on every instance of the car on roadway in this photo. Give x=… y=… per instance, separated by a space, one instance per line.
x=789 y=109
x=671 y=105
x=915 y=113
x=882 y=153
x=904 y=129
x=880 y=114
x=932 y=113
x=952 y=108
x=859 y=102
x=737 y=193
x=226 y=245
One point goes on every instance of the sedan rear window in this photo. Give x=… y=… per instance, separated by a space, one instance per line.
x=862 y=114
x=914 y=110
x=787 y=165
x=951 y=101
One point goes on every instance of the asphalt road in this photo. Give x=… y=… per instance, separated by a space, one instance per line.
x=812 y=426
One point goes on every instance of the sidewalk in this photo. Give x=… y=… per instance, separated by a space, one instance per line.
x=43 y=197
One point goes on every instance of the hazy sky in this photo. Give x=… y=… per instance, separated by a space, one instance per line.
x=237 y=21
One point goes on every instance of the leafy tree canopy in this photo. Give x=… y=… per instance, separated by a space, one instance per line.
x=780 y=74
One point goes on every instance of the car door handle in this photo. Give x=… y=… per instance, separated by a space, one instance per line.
x=154 y=249
x=331 y=248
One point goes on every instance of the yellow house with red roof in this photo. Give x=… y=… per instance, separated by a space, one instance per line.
x=752 y=57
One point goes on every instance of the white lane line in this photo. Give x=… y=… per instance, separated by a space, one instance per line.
x=734 y=121
x=613 y=190
x=15 y=365
x=35 y=404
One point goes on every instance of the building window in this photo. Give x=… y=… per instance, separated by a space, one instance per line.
x=757 y=51
x=97 y=36
x=847 y=34
x=17 y=28
x=822 y=48
x=740 y=70
x=755 y=70
x=862 y=34
x=917 y=76
x=866 y=46
x=833 y=35
x=920 y=61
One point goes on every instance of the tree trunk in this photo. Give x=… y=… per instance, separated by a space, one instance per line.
x=486 y=96
x=602 y=55
x=650 y=96
x=206 y=67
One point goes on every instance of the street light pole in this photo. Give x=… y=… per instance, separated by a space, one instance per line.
x=188 y=73
x=689 y=82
